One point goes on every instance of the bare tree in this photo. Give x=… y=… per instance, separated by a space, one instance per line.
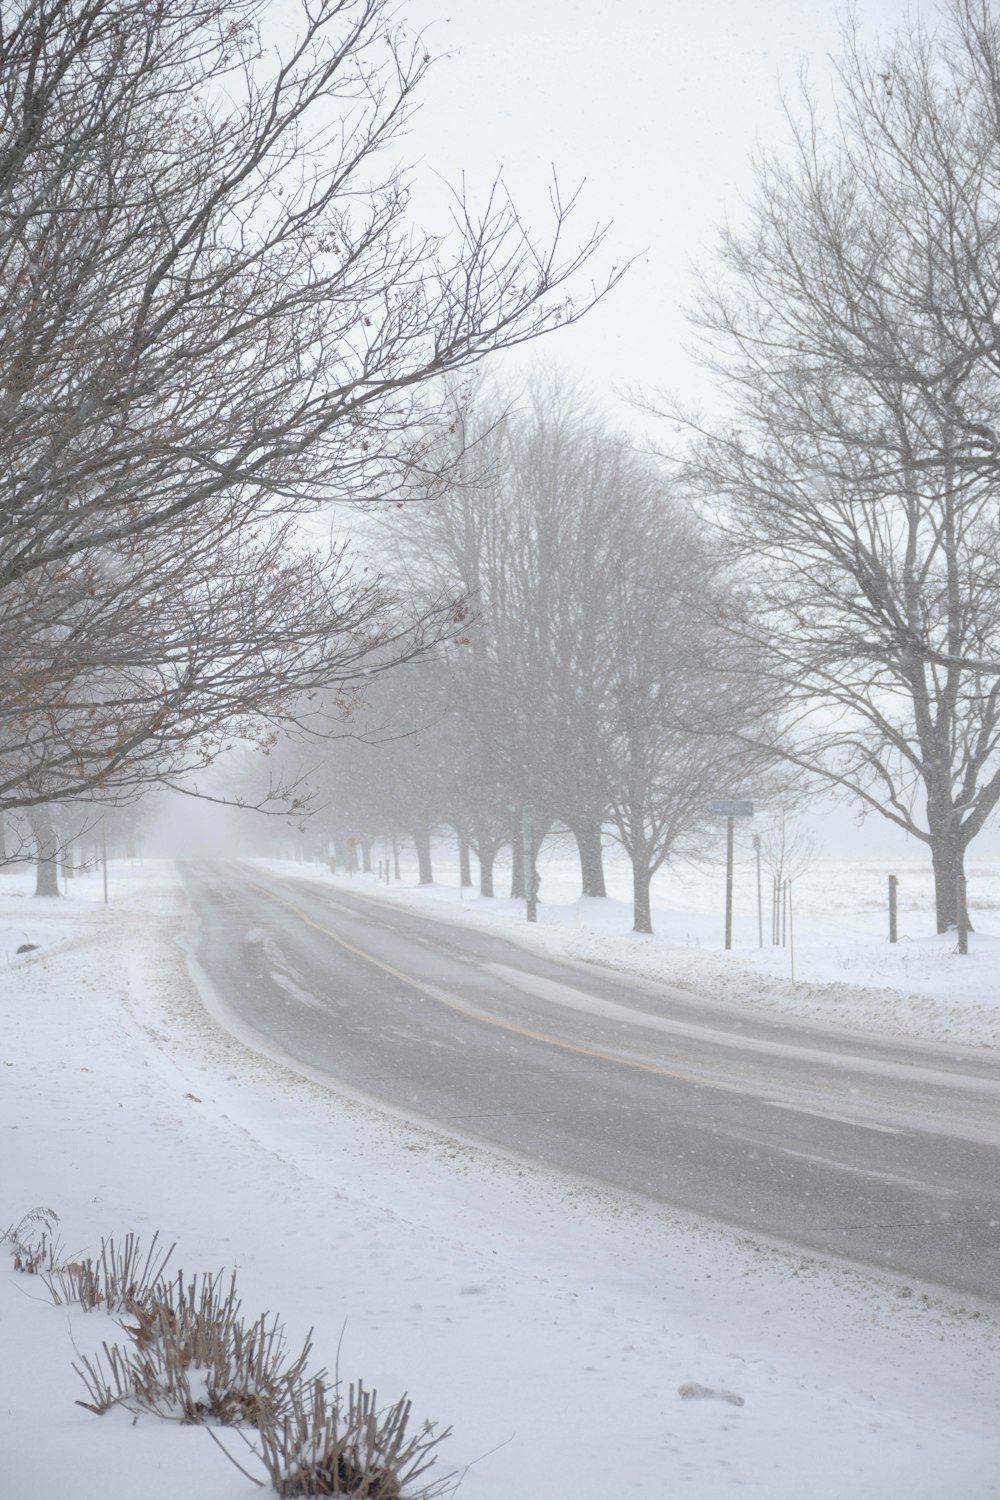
x=787 y=852
x=675 y=715
x=856 y=320
x=216 y=315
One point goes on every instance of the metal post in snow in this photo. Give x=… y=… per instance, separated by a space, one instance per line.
x=729 y=883
x=784 y=913
x=893 y=883
x=731 y=808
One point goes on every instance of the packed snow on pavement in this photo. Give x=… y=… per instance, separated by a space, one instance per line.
x=846 y=971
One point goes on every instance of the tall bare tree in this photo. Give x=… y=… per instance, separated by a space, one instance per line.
x=857 y=322
x=216 y=315
x=676 y=719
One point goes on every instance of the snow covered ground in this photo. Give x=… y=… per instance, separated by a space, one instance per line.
x=550 y=1324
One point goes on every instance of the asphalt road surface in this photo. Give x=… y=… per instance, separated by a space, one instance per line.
x=885 y=1153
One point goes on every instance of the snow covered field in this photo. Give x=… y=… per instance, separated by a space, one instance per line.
x=550 y=1324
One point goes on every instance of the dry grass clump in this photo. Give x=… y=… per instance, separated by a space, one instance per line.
x=192 y=1357
x=34 y=1248
x=120 y=1280
x=324 y=1448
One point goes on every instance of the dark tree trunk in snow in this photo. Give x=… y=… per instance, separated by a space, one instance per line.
x=464 y=864
x=591 y=850
x=487 y=850
x=517 y=867
x=948 y=861
x=47 y=852
x=422 y=843
x=642 y=920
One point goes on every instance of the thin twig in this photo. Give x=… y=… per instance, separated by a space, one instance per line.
x=258 y=1482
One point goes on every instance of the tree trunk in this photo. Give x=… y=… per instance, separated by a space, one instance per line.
x=464 y=864
x=642 y=920
x=517 y=867
x=948 y=861
x=591 y=850
x=487 y=849
x=47 y=852
x=366 y=854
x=422 y=842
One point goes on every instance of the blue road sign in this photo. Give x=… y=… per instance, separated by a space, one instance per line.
x=730 y=807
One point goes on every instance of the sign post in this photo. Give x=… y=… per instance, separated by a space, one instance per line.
x=730 y=808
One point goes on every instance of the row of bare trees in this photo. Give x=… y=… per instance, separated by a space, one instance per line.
x=854 y=321
x=217 y=315
x=584 y=677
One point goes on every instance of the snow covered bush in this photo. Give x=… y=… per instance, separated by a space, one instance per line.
x=326 y=1448
x=192 y=1357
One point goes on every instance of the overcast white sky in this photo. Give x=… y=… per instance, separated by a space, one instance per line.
x=655 y=104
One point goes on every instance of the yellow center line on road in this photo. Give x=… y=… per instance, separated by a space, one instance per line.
x=443 y=998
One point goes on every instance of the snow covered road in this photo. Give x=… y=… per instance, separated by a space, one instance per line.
x=886 y=1153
